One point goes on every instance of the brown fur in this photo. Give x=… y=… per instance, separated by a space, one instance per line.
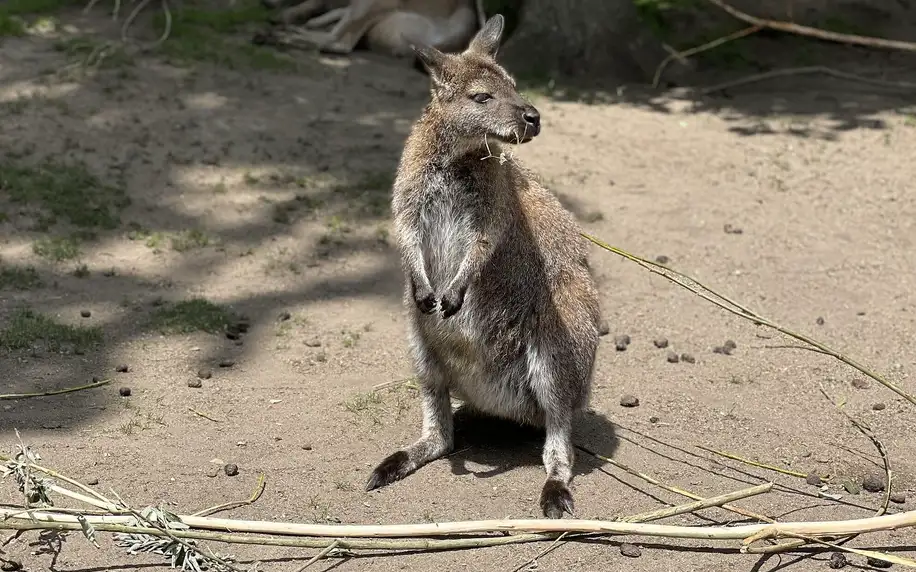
x=502 y=309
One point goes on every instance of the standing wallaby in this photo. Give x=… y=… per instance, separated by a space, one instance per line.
x=502 y=309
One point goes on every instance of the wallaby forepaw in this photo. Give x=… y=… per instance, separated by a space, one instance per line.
x=451 y=302
x=556 y=499
x=394 y=467
x=426 y=301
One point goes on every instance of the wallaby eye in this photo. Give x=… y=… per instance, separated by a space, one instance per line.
x=481 y=97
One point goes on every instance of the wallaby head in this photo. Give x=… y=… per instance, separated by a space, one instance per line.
x=474 y=96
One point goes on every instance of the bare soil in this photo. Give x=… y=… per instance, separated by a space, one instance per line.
x=266 y=193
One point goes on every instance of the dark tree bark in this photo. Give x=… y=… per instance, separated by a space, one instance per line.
x=599 y=41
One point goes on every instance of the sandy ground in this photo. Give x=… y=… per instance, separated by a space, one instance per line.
x=267 y=193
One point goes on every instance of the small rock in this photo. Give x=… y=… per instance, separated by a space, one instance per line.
x=837 y=560
x=213 y=472
x=621 y=342
x=204 y=373
x=243 y=325
x=898 y=498
x=731 y=229
x=603 y=328
x=653 y=419
x=313 y=343
x=92 y=481
x=284 y=316
x=729 y=344
x=672 y=357
x=873 y=484
x=722 y=350
x=232 y=335
x=687 y=358
x=851 y=487
x=874 y=562
x=860 y=383
x=660 y=343
x=629 y=401
x=879 y=406
x=231 y=469
x=124 y=392
x=195 y=383
x=662 y=259
x=820 y=322
x=85 y=313
x=814 y=480
x=630 y=550
x=122 y=368
x=226 y=363
x=306 y=447
x=10 y=566
x=96 y=379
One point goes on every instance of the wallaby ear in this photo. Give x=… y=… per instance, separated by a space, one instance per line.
x=432 y=59
x=486 y=41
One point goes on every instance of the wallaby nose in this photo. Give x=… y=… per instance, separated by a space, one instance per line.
x=532 y=117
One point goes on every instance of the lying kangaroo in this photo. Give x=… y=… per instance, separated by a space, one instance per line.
x=387 y=25
x=502 y=309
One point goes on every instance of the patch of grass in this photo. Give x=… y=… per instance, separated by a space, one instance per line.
x=181 y=241
x=370 y=195
x=656 y=13
x=19 y=278
x=189 y=239
x=196 y=314
x=202 y=35
x=349 y=338
x=67 y=191
x=57 y=249
x=83 y=47
x=26 y=328
x=13 y=13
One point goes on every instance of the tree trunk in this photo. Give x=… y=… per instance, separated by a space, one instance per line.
x=601 y=41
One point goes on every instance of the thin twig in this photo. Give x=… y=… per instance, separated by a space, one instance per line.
x=105 y=503
x=753 y=463
x=701 y=48
x=807 y=70
x=12 y=396
x=324 y=552
x=737 y=309
x=258 y=491
x=204 y=415
x=800 y=30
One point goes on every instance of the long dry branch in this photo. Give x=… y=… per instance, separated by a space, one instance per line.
x=741 y=311
x=14 y=396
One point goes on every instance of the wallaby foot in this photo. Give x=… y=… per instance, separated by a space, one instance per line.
x=438 y=432
x=556 y=499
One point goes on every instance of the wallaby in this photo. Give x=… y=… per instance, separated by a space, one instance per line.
x=386 y=25
x=502 y=309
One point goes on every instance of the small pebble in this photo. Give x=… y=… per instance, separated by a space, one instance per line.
x=122 y=368
x=232 y=335
x=630 y=550
x=226 y=363
x=687 y=358
x=729 y=344
x=653 y=419
x=313 y=343
x=672 y=357
x=873 y=484
x=195 y=383
x=284 y=316
x=662 y=259
x=621 y=343
x=231 y=469
x=306 y=447
x=85 y=313
x=837 y=560
x=874 y=562
x=96 y=379
x=814 y=479
x=731 y=229
x=629 y=401
x=92 y=481
x=852 y=487
x=660 y=343
x=213 y=472
x=243 y=326
x=722 y=350
x=898 y=498
x=10 y=566
x=860 y=383
x=124 y=392
x=603 y=328
x=879 y=406
x=204 y=373
x=820 y=322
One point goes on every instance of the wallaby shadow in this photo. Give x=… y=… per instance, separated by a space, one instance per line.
x=504 y=445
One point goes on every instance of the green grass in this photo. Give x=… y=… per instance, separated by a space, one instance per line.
x=57 y=249
x=201 y=35
x=14 y=13
x=26 y=328
x=19 y=278
x=189 y=316
x=181 y=241
x=65 y=191
x=82 y=47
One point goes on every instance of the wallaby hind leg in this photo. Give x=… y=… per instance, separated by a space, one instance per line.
x=360 y=17
x=438 y=437
x=299 y=12
x=326 y=19
x=558 y=458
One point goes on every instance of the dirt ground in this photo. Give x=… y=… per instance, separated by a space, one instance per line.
x=261 y=196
